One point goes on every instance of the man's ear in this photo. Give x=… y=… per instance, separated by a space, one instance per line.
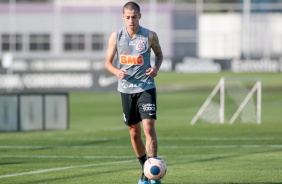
x=139 y=15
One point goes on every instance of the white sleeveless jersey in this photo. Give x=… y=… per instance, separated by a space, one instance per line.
x=134 y=55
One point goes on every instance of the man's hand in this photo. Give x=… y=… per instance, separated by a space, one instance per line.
x=121 y=73
x=152 y=72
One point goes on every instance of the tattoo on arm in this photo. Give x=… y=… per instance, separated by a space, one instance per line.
x=157 y=50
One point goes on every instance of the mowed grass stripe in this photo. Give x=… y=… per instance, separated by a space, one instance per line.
x=169 y=139
x=126 y=147
x=65 y=156
x=178 y=139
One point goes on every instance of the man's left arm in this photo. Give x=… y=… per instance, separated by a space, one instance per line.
x=155 y=45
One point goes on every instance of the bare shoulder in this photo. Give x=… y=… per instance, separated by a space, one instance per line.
x=153 y=38
x=114 y=34
x=154 y=43
x=113 y=37
x=112 y=45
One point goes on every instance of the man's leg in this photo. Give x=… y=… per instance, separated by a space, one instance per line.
x=151 y=137
x=136 y=139
x=139 y=148
x=151 y=141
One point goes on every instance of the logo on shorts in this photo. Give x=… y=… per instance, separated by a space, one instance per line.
x=149 y=107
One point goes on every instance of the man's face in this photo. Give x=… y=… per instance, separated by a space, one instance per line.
x=131 y=19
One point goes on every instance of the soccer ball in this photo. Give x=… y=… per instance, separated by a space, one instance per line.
x=154 y=168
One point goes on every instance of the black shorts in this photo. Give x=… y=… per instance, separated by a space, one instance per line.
x=139 y=106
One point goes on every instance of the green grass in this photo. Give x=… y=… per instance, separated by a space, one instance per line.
x=97 y=149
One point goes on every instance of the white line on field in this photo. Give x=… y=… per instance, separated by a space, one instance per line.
x=126 y=147
x=65 y=156
x=61 y=168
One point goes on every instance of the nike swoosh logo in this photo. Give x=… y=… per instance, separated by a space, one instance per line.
x=151 y=114
x=104 y=81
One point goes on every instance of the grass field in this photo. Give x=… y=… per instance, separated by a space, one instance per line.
x=96 y=149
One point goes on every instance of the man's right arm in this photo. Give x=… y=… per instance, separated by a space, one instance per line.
x=112 y=48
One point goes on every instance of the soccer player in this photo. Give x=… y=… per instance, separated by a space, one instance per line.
x=133 y=45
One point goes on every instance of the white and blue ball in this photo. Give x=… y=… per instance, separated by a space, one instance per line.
x=154 y=168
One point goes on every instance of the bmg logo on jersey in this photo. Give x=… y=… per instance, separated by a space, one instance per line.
x=131 y=60
x=149 y=107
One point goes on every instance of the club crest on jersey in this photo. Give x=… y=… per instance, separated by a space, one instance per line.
x=140 y=45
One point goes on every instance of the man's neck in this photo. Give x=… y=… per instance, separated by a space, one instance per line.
x=132 y=33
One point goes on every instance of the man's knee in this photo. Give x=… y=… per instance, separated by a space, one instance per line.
x=135 y=132
x=149 y=126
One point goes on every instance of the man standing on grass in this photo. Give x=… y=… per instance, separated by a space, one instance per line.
x=133 y=45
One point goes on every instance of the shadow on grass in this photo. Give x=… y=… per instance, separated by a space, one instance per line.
x=247 y=183
x=228 y=156
x=10 y=163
